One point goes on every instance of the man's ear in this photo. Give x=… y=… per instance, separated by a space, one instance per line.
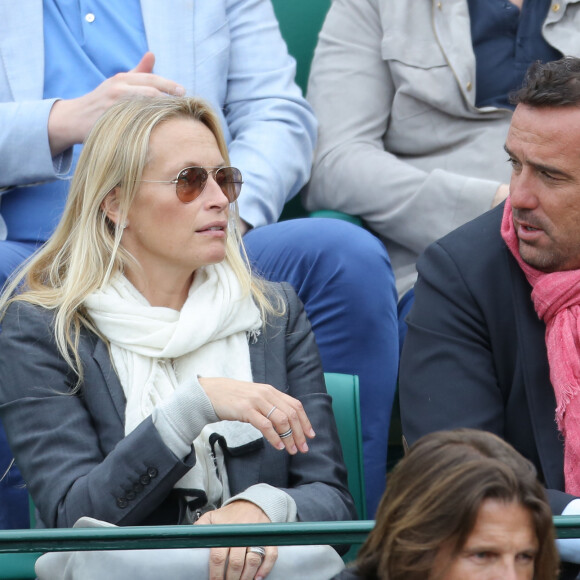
x=110 y=206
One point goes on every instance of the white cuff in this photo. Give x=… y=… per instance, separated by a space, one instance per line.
x=275 y=503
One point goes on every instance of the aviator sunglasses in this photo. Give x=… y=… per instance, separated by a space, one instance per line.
x=191 y=181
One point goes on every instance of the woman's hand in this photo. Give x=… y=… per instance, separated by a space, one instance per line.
x=238 y=563
x=272 y=412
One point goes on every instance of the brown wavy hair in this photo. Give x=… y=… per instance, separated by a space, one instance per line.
x=433 y=497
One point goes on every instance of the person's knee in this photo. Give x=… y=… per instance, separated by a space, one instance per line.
x=335 y=266
x=353 y=257
x=343 y=246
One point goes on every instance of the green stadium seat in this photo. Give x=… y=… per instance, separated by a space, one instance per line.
x=300 y=23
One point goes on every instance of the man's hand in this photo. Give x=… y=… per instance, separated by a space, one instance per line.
x=238 y=563
x=71 y=120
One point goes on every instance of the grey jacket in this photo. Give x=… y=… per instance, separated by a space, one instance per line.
x=401 y=143
x=75 y=458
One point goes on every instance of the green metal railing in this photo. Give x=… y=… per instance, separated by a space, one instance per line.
x=567 y=527
x=143 y=537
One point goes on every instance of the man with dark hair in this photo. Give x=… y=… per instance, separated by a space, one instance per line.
x=494 y=334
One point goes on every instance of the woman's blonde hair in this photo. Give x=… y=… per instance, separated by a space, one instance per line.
x=85 y=249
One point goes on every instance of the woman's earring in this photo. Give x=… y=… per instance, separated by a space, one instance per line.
x=124 y=225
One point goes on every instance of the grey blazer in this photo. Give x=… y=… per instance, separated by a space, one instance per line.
x=76 y=460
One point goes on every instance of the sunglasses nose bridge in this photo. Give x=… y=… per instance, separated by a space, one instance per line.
x=211 y=174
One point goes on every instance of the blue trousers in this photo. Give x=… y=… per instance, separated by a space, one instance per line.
x=344 y=277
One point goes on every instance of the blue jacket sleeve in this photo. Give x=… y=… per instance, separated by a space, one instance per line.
x=272 y=126
x=24 y=147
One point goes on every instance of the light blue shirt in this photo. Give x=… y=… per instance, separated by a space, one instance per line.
x=229 y=52
x=81 y=48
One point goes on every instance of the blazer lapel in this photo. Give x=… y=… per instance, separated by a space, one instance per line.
x=540 y=395
x=22 y=48
x=258 y=360
x=170 y=37
x=102 y=358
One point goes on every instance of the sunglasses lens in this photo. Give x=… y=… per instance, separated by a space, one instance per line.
x=190 y=183
x=230 y=181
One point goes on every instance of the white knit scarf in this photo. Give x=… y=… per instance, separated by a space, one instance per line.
x=157 y=349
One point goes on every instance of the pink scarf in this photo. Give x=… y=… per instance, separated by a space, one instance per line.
x=556 y=298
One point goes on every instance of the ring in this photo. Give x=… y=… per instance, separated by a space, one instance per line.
x=271 y=411
x=285 y=434
x=258 y=550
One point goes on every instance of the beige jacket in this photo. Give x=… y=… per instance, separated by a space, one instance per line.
x=401 y=143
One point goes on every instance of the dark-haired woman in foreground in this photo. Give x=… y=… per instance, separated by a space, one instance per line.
x=461 y=505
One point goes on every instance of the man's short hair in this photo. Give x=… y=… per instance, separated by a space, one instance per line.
x=550 y=84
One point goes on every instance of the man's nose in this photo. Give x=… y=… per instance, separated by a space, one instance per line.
x=523 y=190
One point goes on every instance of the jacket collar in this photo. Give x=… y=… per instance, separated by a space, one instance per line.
x=103 y=359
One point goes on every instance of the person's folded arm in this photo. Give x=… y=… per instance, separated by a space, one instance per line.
x=352 y=92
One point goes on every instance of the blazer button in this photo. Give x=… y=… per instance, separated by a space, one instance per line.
x=152 y=472
x=131 y=495
x=137 y=488
x=122 y=502
x=145 y=480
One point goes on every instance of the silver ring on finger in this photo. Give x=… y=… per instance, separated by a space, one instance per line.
x=285 y=434
x=258 y=550
x=271 y=411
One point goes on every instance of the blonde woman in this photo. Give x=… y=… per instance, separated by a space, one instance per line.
x=146 y=376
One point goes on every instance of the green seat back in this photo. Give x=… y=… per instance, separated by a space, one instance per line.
x=337 y=215
x=300 y=22
x=17 y=566
x=344 y=390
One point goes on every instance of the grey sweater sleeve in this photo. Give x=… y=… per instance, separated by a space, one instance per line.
x=180 y=419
